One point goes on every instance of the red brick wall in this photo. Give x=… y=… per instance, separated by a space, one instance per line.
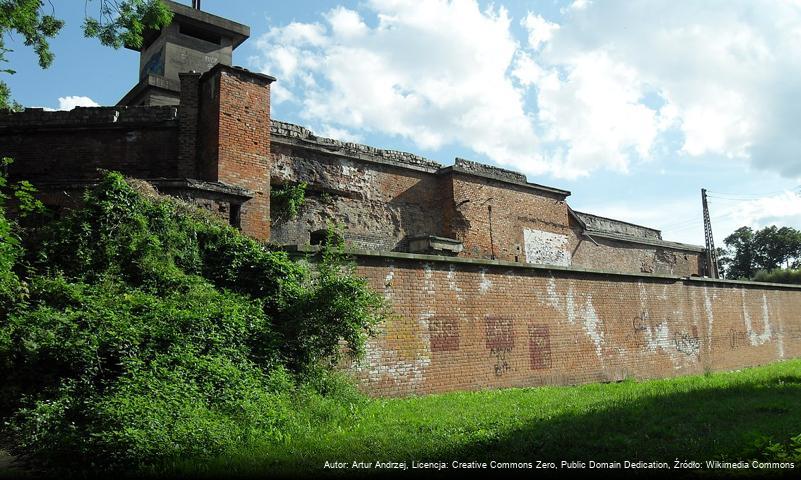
x=139 y=141
x=465 y=326
x=380 y=204
x=235 y=139
x=514 y=208
x=616 y=256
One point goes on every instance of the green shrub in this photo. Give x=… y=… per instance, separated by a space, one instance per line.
x=151 y=331
x=763 y=448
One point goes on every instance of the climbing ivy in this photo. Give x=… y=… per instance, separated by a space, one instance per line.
x=286 y=200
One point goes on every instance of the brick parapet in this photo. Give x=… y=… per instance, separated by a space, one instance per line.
x=89 y=117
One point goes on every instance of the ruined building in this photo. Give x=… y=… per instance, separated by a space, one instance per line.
x=497 y=280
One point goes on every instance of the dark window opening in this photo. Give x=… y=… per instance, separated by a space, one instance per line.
x=235 y=216
x=200 y=34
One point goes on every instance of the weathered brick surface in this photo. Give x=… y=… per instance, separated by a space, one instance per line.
x=235 y=139
x=385 y=197
x=616 y=256
x=140 y=141
x=381 y=205
x=466 y=327
x=188 y=118
x=489 y=217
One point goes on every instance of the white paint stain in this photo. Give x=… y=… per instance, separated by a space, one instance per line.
x=643 y=294
x=710 y=319
x=380 y=362
x=388 y=291
x=570 y=305
x=429 y=286
x=485 y=284
x=452 y=278
x=780 y=332
x=757 y=339
x=593 y=327
x=552 y=296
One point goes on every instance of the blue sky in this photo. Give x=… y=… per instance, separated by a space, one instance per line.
x=632 y=106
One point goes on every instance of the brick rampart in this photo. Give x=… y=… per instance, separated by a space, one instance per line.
x=464 y=324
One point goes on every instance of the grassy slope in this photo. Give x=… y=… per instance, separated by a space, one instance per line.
x=696 y=418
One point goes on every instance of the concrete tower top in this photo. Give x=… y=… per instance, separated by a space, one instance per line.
x=194 y=41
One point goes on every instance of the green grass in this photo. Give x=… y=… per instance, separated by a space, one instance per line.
x=713 y=416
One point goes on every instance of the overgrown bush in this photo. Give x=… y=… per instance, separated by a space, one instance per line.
x=152 y=331
x=286 y=200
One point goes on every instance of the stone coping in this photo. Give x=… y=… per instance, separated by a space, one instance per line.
x=313 y=249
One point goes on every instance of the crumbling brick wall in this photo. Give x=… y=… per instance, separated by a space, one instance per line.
x=467 y=325
x=500 y=220
x=234 y=139
x=616 y=256
x=381 y=202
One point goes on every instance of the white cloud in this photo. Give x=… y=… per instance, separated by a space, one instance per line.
x=433 y=72
x=68 y=103
x=595 y=112
x=718 y=71
x=540 y=31
x=606 y=85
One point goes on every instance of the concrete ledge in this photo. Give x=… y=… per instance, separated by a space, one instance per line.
x=314 y=249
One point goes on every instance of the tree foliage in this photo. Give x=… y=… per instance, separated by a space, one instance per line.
x=118 y=23
x=748 y=252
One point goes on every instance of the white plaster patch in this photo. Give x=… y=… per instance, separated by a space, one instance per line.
x=348 y=171
x=485 y=284
x=546 y=248
x=388 y=291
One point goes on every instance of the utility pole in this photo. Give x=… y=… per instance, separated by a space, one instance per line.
x=711 y=254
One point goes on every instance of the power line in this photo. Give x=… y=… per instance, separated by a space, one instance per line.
x=753 y=196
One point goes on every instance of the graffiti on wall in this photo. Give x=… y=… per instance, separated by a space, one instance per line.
x=500 y=340
x=737 y=338
x=688 y=343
